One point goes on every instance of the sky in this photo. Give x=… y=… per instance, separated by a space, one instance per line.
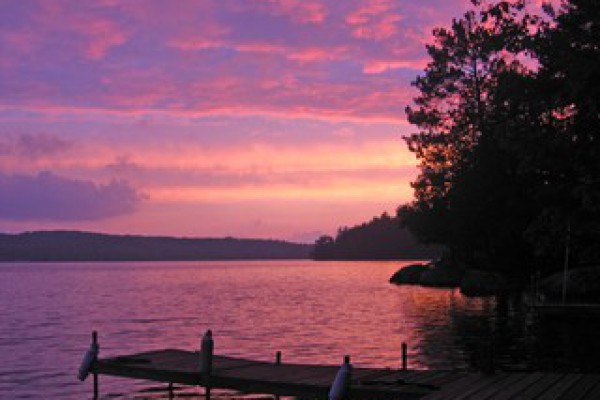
x=208 y=118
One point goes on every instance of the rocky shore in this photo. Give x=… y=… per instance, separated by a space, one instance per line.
x=471 y=282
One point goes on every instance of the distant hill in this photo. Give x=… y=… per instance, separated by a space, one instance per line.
x=382 y=238
x=87 y=246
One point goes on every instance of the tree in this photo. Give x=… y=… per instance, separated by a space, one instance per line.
x=510 y=154
x=568 y=165
x=323 y=249
x=462 y=197
x=382 y=238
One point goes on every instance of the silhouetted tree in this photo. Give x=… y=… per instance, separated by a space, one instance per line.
x=567 y=166
x=510 y=155
x=464 y=171
x=382 y=238
x=323 y=248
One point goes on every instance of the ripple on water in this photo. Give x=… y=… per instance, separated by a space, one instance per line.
x=312 y=312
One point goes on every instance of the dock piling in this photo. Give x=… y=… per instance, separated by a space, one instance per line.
x=341 y=384
x=206 y=361
x=278 y=358
x=94 y=366
x=404 y=355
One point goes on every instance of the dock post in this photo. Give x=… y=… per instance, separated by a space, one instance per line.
x=277 y=362
x=404 y=355
x=94 y=369
x=206 y=361
x=170 y=390
x=340 y=386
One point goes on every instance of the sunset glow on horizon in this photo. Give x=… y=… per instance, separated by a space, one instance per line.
x=248 y=118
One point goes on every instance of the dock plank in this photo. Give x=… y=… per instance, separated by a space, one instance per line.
x=579 y=391
x=313 y=381
x=561 y=387
x=486 y=386
x=539 y=387
x=461 y=385
x=513 y=391
x=448 y=378
x=593 y=393
x=497 y=387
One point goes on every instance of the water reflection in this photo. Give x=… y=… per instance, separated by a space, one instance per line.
x=312 y=312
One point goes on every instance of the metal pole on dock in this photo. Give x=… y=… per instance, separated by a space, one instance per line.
x=94 y=368
x=404 y=355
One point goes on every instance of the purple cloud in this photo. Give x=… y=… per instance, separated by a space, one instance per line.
x=49 y=197
x=32 y=146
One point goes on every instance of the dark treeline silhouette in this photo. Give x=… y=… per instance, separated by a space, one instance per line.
x=86 y=246
x=380 y=239
x=508 y=138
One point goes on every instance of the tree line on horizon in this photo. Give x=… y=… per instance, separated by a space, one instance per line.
x=90 y=246
x=508 y=138
x=382 y=238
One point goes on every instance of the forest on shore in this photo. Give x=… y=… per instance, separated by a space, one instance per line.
x=507 y=138
x=88 y=246
x=382 y=238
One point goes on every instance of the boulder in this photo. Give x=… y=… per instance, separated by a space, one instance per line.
x=408 y=275
x=482 y=283
x=438 y=276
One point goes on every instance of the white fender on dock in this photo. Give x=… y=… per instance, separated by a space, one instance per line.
x=207 y=347
x=90 y=356
x=341 y=383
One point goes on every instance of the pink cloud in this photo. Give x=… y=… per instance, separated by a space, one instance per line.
x=379 y=66
x=23 y=41
x=189 y=44
x=299 y=11
x=259 y=48
x=103 y=35
x=99 y=33
x=374 y=19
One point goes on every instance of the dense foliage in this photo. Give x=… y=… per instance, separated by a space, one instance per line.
x=380 y=239
x=508 y=138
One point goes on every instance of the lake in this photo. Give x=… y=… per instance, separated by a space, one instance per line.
x=314 y=312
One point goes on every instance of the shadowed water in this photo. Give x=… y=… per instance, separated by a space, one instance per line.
x=312 y=312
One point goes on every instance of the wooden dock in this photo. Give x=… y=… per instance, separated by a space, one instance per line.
x=313 y=381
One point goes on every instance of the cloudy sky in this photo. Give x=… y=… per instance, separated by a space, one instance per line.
x=249 y=118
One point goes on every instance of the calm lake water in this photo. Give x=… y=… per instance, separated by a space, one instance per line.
x=314 y=312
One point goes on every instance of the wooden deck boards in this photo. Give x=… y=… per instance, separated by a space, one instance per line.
x=583 y=386
x=181 y=367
